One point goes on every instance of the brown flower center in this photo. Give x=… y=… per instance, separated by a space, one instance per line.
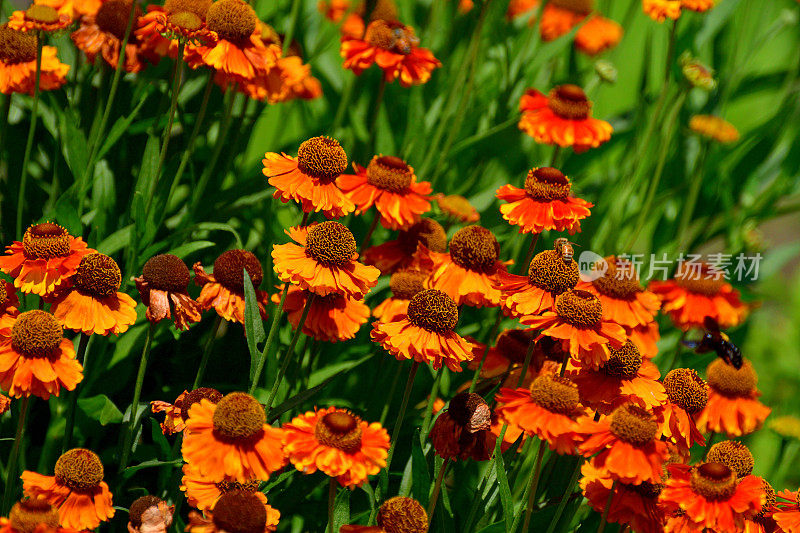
x=322 y=157
x=633 y=424
x=731 y=382
x=549 y=272
x=112 y=17
x=198 y=7
x=79 y=469
x=230 y=266
x=384 y=10
x=686 y=389
x=406 y=283
x=247 y=486
x=339 y=429
x=734 y=455
x=578 y=6
x=769 y=501
x=98 y=275
x=402 y=515
x=714 y=481
x=166 y=272
x=623 y=363
x=474 y=248
x=233 y=20
x=428 y=232
x=239 y=511
x=647 y=490
x=3 y=294
x=27 y=515
x=513 y=344
x=186 y=21
x=331 y=243
x=41 y=13
x=582 y=309
x=194 y=396
x=546 y=184
x=239 y=417
x=16 y=46
x=699 y=278
x=36 y=334
x=389 y=173
x=555 y=393
x=45 y=240
x=140 y=506
x=433 y=310
x=471 y=412
x=391 y=35
x=569 y=102
x=620 y=280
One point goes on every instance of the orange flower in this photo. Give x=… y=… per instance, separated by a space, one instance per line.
x=544 y=204
x=402 y=252
x=404 y=284
x=733 y=407
x=688 y=395
x=73 y=8
x=711 y=497
x=288 y=79
x=236 y=510
x=161 y=28
x=506 y=357
x=5 y=404
x=32 y=515
x=457 y=208
x=636 y=505
x=325 y=262
x=698 y=291
x=331 y=318
x=787 y=514
x=645 y=338
x=231 y=439
x=626 y=376
x=660 y=10
x=77 y=489
x=46 y=257
x=577 y=320
x=165 y=280
x=396 y=515
x=224 y=289
x=310 y=179
x=338 y=443
x=549 y=409
x=177 y=414
x=562 y=118
x=35 y=358
x=334 y=10
x=389 y=184
x=426 y=333
x=38 y=17
x=714 y=128
x=393 y=47
x=102 y=33
x=9 y=302
x=518 y=8
x=93 y=303
x=626 y=445
x=470 y=272
x=463 y=430
x=598 y=34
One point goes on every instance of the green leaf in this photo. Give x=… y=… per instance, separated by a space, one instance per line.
x=147 y=171
x=253 y=326
x=190 y=247
x=116 y=241
x=120 y=127
x=420 y=477
x=341 y=509
x=101 y=409
x=153 y=463
x=506 y=499
x=75 y=147
x=218 y=226
x=67 y=215
x=497 y=527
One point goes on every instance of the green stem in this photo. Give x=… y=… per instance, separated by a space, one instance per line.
x=293 y=16
x=331 y=485
x=526 y=363
x=4 y=121
x=565 y=498
x=473 y=508
x=83 y=342
x=694 y=192
x=373 y=116
x=437 y=487
x=554 y=158
x=11 y=466
x=287 y=357
x=344 y=104
x=523 y=267
x=426 y=421
x=604 y=517
x=201 y=370
x=385 y=410
x=137 y=392
x=370 y=231
x=537 y=470
x=31 y=132
x=273 y=328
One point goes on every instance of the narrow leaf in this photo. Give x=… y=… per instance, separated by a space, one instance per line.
x=253 y=326
x=101 y=409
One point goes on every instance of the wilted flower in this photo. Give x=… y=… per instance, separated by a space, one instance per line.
x=463 y=430
x=150 y=514
x=163 y=288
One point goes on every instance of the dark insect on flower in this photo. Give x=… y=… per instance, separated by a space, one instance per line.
x=716 y=341
x=564 y=248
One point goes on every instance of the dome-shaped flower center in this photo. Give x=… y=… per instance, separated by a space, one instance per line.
x=389 y=173
x=98 y=275
x=339 y=429
x=402 y=515
x=699 y=278
x=384 y=10
x=578 y=6
x=3 y=294
x=41 y=13
x=45 y=240
x=428 y=232
x=16 y=46
x=239 y=511
x=686 y=389
x=166 y=272
x=112 y=17
x=647 y=490
x=549 y=272
x=246 y=486
x=513 y=344
x=555 y=393
x=433 y=310
x=27 y=515
x=470 y=411
x=734 y=455
x=141 y=506
x=185 y=21
x=714 y=481
x=769 y=501
x=582 y=309
x=391 y=35
x=194 y=396
x=198 y=7
x=633 y=424
x=620 y=280
x=546 y=184
x=79 y=469
x=624 y=362
x=474 y=248
x=230 y=266
x=726 y=380
x=238 y=417
x=36 y=334
x=569 y=102
x=406 y=283
x=331 y=243
x=233 y=20
x=322 y=157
